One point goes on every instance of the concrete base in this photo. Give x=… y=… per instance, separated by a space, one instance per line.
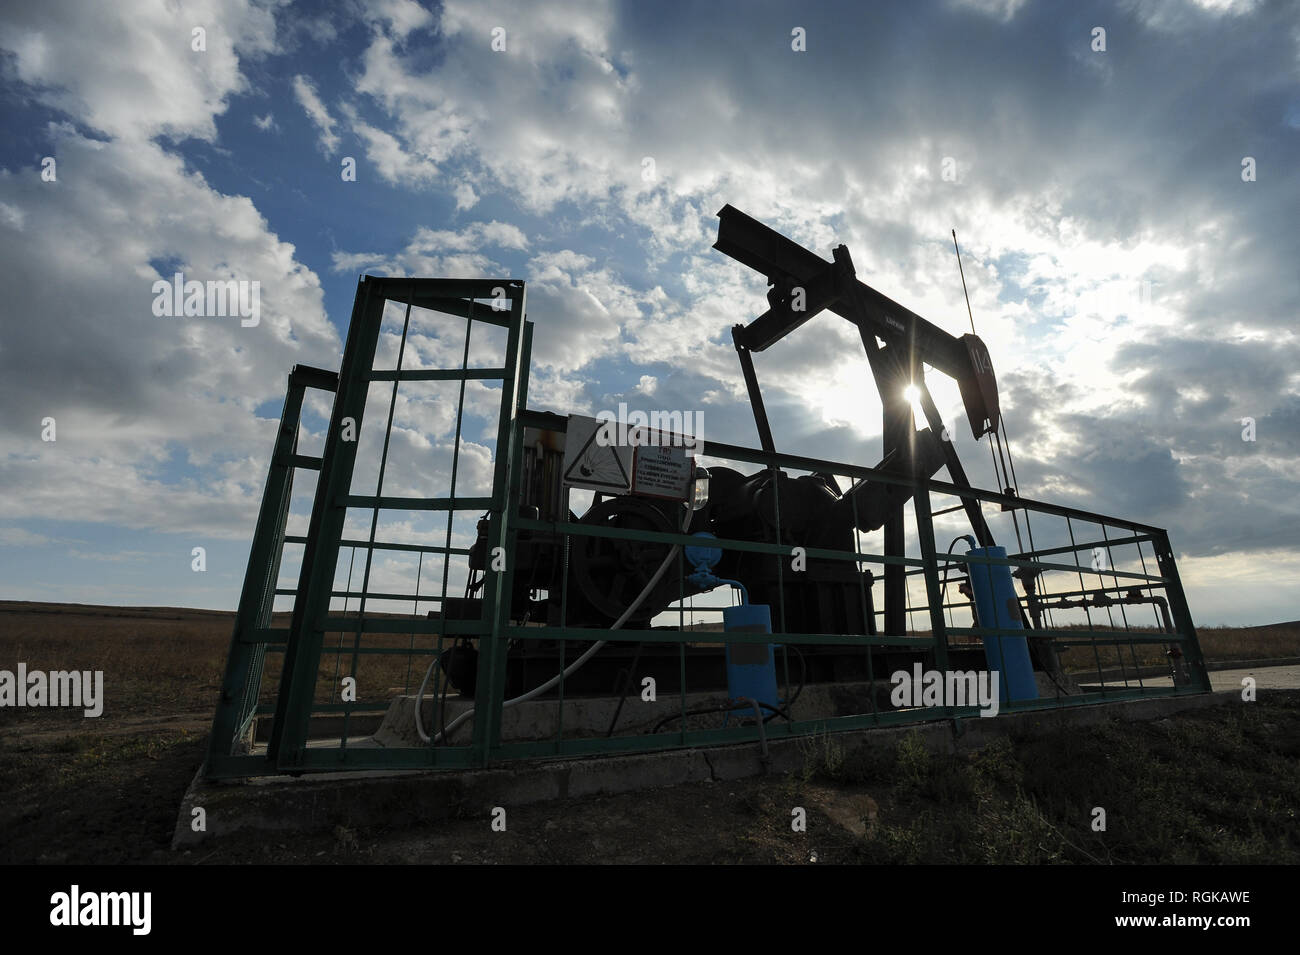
x=1064 y=685
x=586 y=717
x=320 y=802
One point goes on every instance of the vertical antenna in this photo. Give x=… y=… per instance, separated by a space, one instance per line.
x=963 y=282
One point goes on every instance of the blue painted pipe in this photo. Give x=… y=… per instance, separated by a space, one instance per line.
x=751 y=667
x=996 y=605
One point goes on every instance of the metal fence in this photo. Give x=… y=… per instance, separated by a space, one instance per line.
x=1103 y=594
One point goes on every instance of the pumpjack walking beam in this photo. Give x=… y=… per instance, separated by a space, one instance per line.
x=897 y=342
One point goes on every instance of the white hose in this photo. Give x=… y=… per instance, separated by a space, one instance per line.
x=419 y=699
x=539 y=690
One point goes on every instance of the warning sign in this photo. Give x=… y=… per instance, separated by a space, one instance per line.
x=662 y=472
x=591 y=461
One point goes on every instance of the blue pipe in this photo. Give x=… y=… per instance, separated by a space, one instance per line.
x=751 y=667
x=997 y=607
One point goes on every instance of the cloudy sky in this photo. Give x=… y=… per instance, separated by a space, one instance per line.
x=1128 y=218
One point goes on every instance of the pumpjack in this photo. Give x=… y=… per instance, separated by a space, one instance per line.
x=769 y=505
x=542 y=578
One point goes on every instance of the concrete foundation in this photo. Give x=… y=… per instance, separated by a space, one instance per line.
x=586 y=717
x=590 y=716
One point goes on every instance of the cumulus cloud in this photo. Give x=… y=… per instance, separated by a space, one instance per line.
x=1138 y=296
x=129 y=69
x=1094 y=245
x=134 y=394
x=440 y=253
x=305 y=92
x=131 y=384
x=465 y=196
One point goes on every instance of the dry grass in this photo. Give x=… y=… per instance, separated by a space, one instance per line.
x=164 y=661
x=154 y=659
x=110 y=794
x=1250 y=643
x=1218 y=644
x=1211 y=787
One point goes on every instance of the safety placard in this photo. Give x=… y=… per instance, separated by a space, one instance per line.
x=592 y=461
x=662 y=471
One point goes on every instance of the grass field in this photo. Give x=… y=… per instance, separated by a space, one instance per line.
x=165 y=661
x=1216 y=786
x=1220 y=785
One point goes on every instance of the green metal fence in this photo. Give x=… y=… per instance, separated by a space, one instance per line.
x=1077 y=562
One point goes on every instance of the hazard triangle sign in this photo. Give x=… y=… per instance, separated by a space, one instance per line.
x=593 y=463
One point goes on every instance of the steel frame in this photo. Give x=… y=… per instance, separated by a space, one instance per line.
x=302 y=643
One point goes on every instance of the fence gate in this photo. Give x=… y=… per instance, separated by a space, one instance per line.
x=424 y=358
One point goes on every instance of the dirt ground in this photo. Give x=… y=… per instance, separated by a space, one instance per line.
x=1220 y=785
x=114 y=798
x=1214 y=786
